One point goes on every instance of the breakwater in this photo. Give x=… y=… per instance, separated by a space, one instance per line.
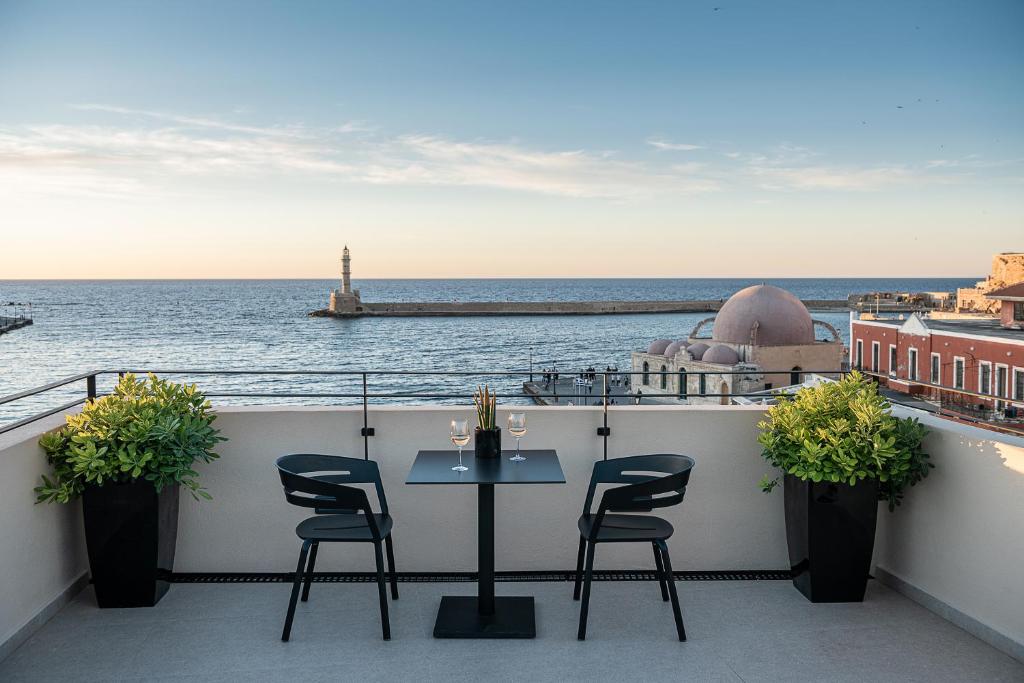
x=497 y=308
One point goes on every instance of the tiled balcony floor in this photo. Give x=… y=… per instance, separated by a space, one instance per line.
x=739 y=631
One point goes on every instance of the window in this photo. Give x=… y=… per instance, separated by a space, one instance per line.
x=912 y=363
x=874 y=356
x=647 y=373
x=682 y=384
x=985 y=378
x=1018 y=311
x=1002 y=374
x=664 y=377
x=1018 y=384
x=860 y=354
x=958 y=373
x=1001 y=383
x=892 y=360
x=935 y=370
x=794 y=375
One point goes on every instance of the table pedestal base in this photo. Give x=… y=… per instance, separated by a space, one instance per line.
x=459 y=617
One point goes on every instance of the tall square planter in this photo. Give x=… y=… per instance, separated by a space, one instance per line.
x=830 y=530
x=130 y=533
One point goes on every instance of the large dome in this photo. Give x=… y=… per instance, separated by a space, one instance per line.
x=763 y=315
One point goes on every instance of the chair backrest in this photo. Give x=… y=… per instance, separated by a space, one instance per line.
x=318 y=481
x=650 y=482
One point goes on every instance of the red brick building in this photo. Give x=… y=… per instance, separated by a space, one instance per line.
x=918 y=355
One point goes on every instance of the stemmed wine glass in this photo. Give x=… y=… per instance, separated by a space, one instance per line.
x=460 y=437
x=517 y=428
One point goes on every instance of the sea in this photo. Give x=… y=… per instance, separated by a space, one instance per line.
x=176 y=327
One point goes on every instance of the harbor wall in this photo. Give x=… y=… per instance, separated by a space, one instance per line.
x=484 y=308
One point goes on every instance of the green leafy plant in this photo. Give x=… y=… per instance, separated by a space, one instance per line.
x=844 y=432
x=148 y=428
x=486 y=407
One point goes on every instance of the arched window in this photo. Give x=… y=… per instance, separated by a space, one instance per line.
x=724 y=390
x=647 y=376
x=682 y=384
x=664 y=377
x=794 y=375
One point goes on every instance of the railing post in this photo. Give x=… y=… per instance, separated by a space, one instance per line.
x=367 y=432
x=90 y=386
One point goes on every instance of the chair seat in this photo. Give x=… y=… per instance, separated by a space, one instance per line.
x=347 y=527
x=627 y=528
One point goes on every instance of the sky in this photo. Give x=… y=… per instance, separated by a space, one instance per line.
x=448 y=139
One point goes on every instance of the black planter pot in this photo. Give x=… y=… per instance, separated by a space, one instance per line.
x=487 y=443
x=130 y=532
x=830 y=530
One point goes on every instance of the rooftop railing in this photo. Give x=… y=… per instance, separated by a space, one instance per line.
x=606 y=387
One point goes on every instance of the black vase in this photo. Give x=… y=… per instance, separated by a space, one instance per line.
x=830 y=530
x=487 y=443
x=130 y=533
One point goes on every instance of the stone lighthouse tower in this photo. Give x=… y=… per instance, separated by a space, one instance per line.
x=346 y=271
x=345 y=301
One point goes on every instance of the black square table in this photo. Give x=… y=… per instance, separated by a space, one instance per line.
x=485 y=616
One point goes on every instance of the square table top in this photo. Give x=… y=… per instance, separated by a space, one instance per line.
x=435 y=467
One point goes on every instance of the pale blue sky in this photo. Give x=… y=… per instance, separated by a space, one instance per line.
x=443 y=139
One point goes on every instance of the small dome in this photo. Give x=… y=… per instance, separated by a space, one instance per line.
x=697 y=350
x=763 y=315
x=674 y=348
x=658 y=346
x=721 y=354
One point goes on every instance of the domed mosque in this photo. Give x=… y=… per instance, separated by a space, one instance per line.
x=758 y=332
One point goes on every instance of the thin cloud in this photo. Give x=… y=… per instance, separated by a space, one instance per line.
x=192 y=121
x=666 y=146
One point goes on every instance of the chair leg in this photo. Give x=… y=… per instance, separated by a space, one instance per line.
x=383 y=591
x=660 y=572
x=579 y=569
x=672 y=591
x=309 y=571
x=585 y=607
x=296 y=585
x=391 y=567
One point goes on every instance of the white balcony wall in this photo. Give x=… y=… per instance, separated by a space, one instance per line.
x=957 y=543
x=42 y=550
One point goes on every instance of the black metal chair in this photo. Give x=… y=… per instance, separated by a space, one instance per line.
x=343 y=515
x=651 y=482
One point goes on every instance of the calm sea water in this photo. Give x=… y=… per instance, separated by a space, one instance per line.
x=246 y=324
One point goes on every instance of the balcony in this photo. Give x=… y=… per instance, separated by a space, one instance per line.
x=947 y=602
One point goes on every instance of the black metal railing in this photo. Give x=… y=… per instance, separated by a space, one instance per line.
x=363 y=396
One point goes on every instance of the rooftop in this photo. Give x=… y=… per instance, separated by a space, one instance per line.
x=945 y=602
x=975 y=326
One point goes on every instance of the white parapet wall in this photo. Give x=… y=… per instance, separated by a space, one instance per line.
x=956 y=545
x=42 y=551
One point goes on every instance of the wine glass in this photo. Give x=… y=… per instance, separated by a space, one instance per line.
x=517 y=428
x=460 y=437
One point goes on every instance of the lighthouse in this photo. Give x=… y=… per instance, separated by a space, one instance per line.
x=346 y=271
x=345 y=300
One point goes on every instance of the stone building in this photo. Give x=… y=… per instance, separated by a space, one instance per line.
x=1007 y=269
x=345 y=300
x=759 y=329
